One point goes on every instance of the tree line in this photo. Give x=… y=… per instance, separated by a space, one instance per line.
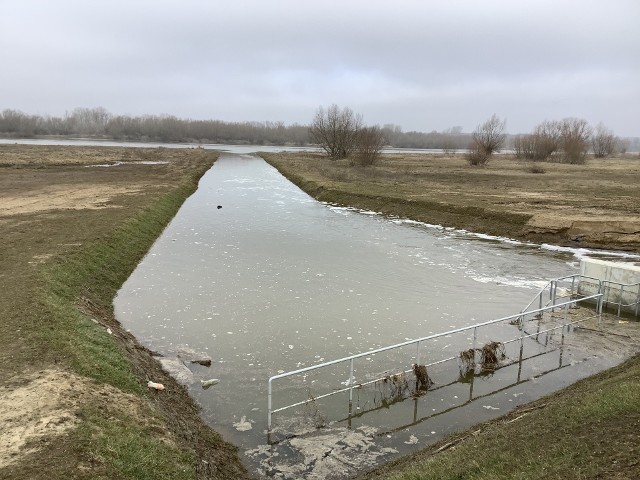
x=100 y=123
x=564 y=140
x=569 y=141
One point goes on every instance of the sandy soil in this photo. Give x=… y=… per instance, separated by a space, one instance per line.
x=47 y=405
x=62 y=197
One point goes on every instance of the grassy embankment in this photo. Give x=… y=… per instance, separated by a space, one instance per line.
x=589 y=430
x=593 y=205
x=70 y=237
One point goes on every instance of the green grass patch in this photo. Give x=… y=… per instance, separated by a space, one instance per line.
x=126 y=449
x=94 y=274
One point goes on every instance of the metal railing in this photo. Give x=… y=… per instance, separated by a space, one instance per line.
x=610 y=288
x=472 y=397
x=519 y=319
x=568 y=287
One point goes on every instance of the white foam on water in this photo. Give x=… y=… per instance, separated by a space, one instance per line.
x=511 y=282
x=586 y=252
x=577 y=252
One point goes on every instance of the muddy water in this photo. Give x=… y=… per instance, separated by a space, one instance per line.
x=265 y=279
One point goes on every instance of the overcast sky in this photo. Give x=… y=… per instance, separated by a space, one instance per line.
x=424 y=65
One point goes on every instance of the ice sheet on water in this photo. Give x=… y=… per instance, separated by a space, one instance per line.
x=326 y=453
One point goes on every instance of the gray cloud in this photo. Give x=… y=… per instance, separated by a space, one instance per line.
x=424 y=65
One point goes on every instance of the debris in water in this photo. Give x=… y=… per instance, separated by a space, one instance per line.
x=243 y=425
x=489 y=407
x=177 y=369
x=467 y=360
x=491 y=354
x=412 y=440
x=205 y=362
x=423 y=381
x=209 y=383
x=329 y=453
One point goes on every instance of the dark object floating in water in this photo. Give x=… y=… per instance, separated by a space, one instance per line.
x=205 y=362
x=219 y=207
x=423 y=381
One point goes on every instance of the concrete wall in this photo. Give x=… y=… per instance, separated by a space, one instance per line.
x=615 y=273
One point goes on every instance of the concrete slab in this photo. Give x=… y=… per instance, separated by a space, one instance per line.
x=621 y=282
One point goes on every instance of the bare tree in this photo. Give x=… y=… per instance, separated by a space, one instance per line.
x=622 y=145
x=524 y=146
x=369 y=144
x=542 y=144
x=89 y=121
x=335 y=130
x=603 y=142
x=486 y=139
x=477 y=155
x=574 y=140
x=17 y=123
x=490 y=137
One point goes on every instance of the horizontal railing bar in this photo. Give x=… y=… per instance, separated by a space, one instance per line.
x=596 y=280
x=521 y=317
x=422 y=339
x=369 y=382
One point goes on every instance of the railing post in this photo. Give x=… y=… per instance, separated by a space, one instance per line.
x=573 y=284
x=269 y=407
x=475 y=343
x=552 y=293
x=540 y=304
x=351 y=381
x=418 y=352
x=601 y=299
x=620 y=299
